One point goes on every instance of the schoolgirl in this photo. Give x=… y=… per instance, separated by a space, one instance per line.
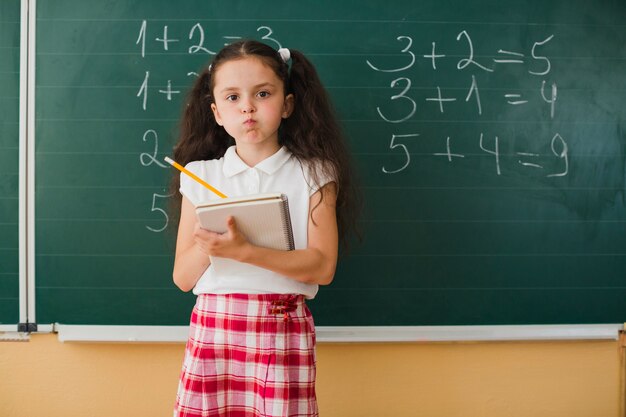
x=258 y=120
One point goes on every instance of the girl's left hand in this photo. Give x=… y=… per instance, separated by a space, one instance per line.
x=231 y=244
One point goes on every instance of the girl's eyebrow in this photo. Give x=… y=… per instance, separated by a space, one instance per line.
x=266 y=84
x=255 y=87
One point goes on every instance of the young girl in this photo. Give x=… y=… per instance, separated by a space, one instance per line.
x=257 y=121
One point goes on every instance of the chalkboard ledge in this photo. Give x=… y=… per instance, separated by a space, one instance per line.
x=469 y=333
x=9 y=333
x=341 y=334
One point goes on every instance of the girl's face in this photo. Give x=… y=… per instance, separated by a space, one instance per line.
x=250 y=103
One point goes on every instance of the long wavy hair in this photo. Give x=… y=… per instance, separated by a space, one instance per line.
x=311 y=133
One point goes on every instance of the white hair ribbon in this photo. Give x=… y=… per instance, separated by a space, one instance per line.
x=284 y=54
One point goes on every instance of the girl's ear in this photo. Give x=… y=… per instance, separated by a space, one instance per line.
x=216 y=114
x=288 y=106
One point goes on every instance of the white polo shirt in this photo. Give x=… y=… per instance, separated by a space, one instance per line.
x=280 y=173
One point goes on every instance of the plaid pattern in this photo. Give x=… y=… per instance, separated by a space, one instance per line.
x=249 y=355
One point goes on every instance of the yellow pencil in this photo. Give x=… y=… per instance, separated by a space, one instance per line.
x=194 y=176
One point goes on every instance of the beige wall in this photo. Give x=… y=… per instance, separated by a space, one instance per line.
x=46 y=378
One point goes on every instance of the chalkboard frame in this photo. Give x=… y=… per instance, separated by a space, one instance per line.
x=342 y=333
x=21 y=312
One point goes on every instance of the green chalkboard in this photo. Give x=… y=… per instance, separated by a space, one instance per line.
x=9 y=160
x=490 y=142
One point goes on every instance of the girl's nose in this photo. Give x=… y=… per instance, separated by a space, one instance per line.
x=247 y=107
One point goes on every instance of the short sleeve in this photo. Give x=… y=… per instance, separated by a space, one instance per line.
x=188 y=186
x=317 y=174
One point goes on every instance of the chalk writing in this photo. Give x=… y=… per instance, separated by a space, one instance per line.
x=464 y=63
x=552 y=99
x=433 y=56
x=495 y=152
x=168 y=92
x=147 y=159
x=440 y=99
x=402 y=95
x=557 y=140
x=449 y=100
x=143 y=90
x=267 y=36
x=541 y=58
x=166 y=218
x=165 y=40
x=405 y=50
x=394 y=145
x=474 y=90
x=402 y=105
x=142 y=38
x=509 y=60
x=197 y=45
x=448 y=152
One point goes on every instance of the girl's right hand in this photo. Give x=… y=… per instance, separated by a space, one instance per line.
x=203 y=239
x=231 y=244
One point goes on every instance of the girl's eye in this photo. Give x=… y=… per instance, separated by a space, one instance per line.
x=231 y=97
x=264 y=94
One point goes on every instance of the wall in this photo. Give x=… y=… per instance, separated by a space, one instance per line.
x=46 y=378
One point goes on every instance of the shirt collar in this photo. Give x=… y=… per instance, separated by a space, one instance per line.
x=233 y=165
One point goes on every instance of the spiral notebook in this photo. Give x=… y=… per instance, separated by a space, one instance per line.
x=263 y=218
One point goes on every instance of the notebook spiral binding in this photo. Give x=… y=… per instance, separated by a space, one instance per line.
x=288 y=228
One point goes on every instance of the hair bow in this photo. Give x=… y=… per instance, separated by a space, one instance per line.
x=284 y=54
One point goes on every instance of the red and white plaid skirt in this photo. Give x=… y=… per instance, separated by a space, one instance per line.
x=249 y=355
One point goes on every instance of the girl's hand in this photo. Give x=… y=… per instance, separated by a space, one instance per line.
x=231 y=244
